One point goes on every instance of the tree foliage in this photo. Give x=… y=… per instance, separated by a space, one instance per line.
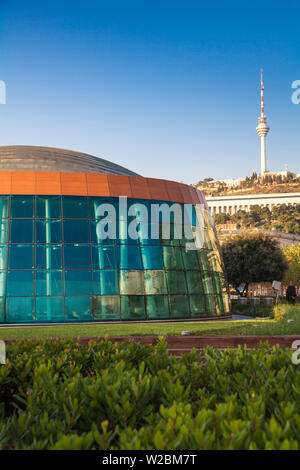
x=252 y=257
x=284 y=218
x=292 y=254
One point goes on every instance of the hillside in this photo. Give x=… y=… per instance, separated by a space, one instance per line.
x=267 y=185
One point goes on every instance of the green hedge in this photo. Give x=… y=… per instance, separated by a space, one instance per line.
x=67 y=395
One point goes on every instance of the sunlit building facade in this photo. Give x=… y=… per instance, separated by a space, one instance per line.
x=56 y=265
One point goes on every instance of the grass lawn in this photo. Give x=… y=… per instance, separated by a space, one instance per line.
x=286 y=322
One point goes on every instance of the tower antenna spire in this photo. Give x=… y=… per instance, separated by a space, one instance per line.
x=262 y=92
x=262 y=128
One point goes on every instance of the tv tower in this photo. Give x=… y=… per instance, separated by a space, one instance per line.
x=262 y=129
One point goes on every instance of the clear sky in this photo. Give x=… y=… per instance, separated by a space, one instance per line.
x=169 y=89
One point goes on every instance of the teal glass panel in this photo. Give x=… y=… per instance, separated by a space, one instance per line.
x=21 y=257
x=2 y=283
x=78 y=309
x=129 y=257
x=211 y=304
x=106 y=282
x=2 y=309
x=208 y=283
x=20 y=309
x=155 y=282
x=76 y=231
x=176 y=282
x=190 y=259
x=48 y=231
x=133 y=307
x=106 y=308
x=188 y=234
x=197 y=304
x=3 y=231
x=172 y=257
x=4 y=207
x=104 y=233
x=48 y=207
x=215 y=262
x=179 y=306
x=226 y=303
x=194 y=282
x=48 y=256
x=132 y=282
x=152 y=257
x=3 y=256
x=75 y=207
x=171 y=234
x=157 y=307
x=78 y=282
x=77 y=256
x=49 y=283
x=20 y=283
x=203 y=260
x=50 y=309
x=219 y=283
x=220 y=305
x=95 y=204
x=21 y=231
x=22 y=207
x=104 y=257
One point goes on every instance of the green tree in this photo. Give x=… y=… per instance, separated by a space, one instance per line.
x=292 y=254
x=221 y=218
x=252 y=257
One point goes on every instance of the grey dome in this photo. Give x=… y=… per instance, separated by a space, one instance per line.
x=32 y=158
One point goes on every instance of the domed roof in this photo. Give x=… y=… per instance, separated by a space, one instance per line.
x=31 y=158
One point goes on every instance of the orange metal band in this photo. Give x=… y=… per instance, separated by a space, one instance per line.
x=93 y=184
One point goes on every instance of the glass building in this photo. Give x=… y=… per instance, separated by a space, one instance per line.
x=66 y=254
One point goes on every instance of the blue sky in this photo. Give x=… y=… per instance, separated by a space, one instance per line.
x=169 y=89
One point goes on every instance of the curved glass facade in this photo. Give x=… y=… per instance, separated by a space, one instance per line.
x=56 y=266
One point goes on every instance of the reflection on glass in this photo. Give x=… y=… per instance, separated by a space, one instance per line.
x=105 y=282
x=49 y=283
x=20 y=309
x=77 y=256
x=20 y=282
x=75 y=207
x=78 y=309
x=78 y=282
x=4 y=206
x=22 y=207
x=48 y=207
x=21 y=231
x=49 y=256
x=131 y=282
x=21 y=257
x=106 y=308
x=50 y=309
x=48 y=231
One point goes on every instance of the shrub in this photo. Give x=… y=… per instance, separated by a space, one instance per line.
x=66 y=395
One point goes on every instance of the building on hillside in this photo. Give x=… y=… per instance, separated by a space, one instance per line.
x=231 y=204
x=60 y=263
